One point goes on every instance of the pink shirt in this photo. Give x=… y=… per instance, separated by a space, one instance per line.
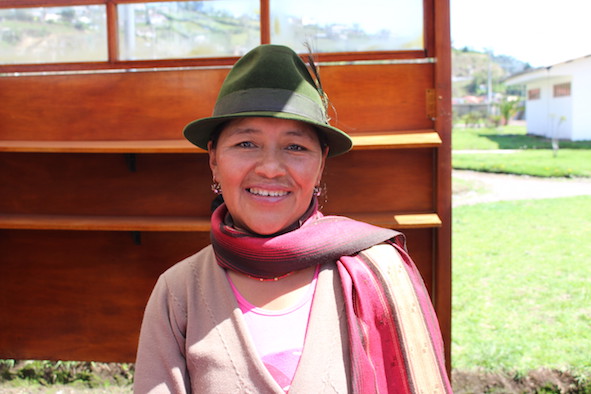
x=278 y=335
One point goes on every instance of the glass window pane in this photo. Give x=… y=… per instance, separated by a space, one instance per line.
x=53 y=34
x=348 y=25
x=172 y=30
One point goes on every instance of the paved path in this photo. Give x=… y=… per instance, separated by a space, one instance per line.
x=485 y=187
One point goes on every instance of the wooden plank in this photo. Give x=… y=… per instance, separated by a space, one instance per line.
x=112 y=32
x=164 y=64
x=181 y=224
x=378 y=97
x=47 y=3
x=418 y=220
x=399 y=221
x=106 y=106
x=158 y=104
x=80 y=295
x=398 y=140
x=81 y=184
x=179 y=185
x=420 y=245
x=382 y=180
x=442 y=174
x=104 y=223
x=127 y=146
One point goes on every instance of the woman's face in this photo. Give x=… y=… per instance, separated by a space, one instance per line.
x=267 y=169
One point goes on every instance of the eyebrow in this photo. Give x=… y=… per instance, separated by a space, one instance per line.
x=241 y=132
x=298 y=132
x=244 y=130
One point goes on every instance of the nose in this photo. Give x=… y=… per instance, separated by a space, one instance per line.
x=270 y=164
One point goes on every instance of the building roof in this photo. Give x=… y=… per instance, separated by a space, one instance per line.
x=542 y=72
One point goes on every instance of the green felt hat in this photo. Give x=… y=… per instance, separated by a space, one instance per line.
x=269 y=81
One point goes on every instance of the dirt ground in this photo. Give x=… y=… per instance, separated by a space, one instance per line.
x=64 y=389
x=537 y=381
x=478 y=187
x=464 y=382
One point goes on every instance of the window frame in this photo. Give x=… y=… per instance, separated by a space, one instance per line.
x=562 y=89
x=112 y=28
x=534 y=94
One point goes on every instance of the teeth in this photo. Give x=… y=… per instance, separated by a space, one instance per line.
x=267 y=193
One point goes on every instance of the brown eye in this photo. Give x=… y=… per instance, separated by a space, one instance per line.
x=296 y=148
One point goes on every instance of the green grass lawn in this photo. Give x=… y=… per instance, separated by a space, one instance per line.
x=529 y=155
x=522 y=285
x=535 y=162
x=507 y=137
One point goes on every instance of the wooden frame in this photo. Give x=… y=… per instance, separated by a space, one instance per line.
x=113 y=61
x=103 y=194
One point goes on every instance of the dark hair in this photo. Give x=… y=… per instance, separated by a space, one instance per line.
x=321 y=137
x=215 y=134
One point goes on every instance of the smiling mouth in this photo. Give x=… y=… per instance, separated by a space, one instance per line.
x=267 y=193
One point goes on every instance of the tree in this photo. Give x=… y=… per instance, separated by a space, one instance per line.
x=508 y=107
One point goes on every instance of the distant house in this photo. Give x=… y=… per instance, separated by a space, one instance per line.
x=558 y=99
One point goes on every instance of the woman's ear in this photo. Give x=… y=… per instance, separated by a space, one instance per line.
x=324 y=156
x=212 y=158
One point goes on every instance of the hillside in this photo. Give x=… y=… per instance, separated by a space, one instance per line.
x=470 y=71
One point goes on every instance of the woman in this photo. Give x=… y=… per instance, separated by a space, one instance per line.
x=285 y=299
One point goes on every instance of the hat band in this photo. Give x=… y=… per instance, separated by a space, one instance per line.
x=270 y=100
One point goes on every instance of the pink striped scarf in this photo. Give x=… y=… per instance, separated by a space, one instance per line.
x=383 y=356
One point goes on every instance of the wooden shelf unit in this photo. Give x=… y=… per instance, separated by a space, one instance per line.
x=79 y=175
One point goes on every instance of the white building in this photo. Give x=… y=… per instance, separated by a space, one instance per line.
x=558 y=99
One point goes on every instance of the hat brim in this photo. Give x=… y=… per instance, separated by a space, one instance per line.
x=199 y=131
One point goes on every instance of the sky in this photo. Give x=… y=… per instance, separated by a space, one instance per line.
x=539 y=32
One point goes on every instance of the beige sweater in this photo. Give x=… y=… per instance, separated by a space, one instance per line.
x=194 y=338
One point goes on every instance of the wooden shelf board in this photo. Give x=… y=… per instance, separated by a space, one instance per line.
x=170 y=223
x=415 y=139
x=143 y=146
x=418 y=139
x=399 y=221
x=103 y=223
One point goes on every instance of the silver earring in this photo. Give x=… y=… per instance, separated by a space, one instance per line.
x=317 y=191
x=216 y=187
